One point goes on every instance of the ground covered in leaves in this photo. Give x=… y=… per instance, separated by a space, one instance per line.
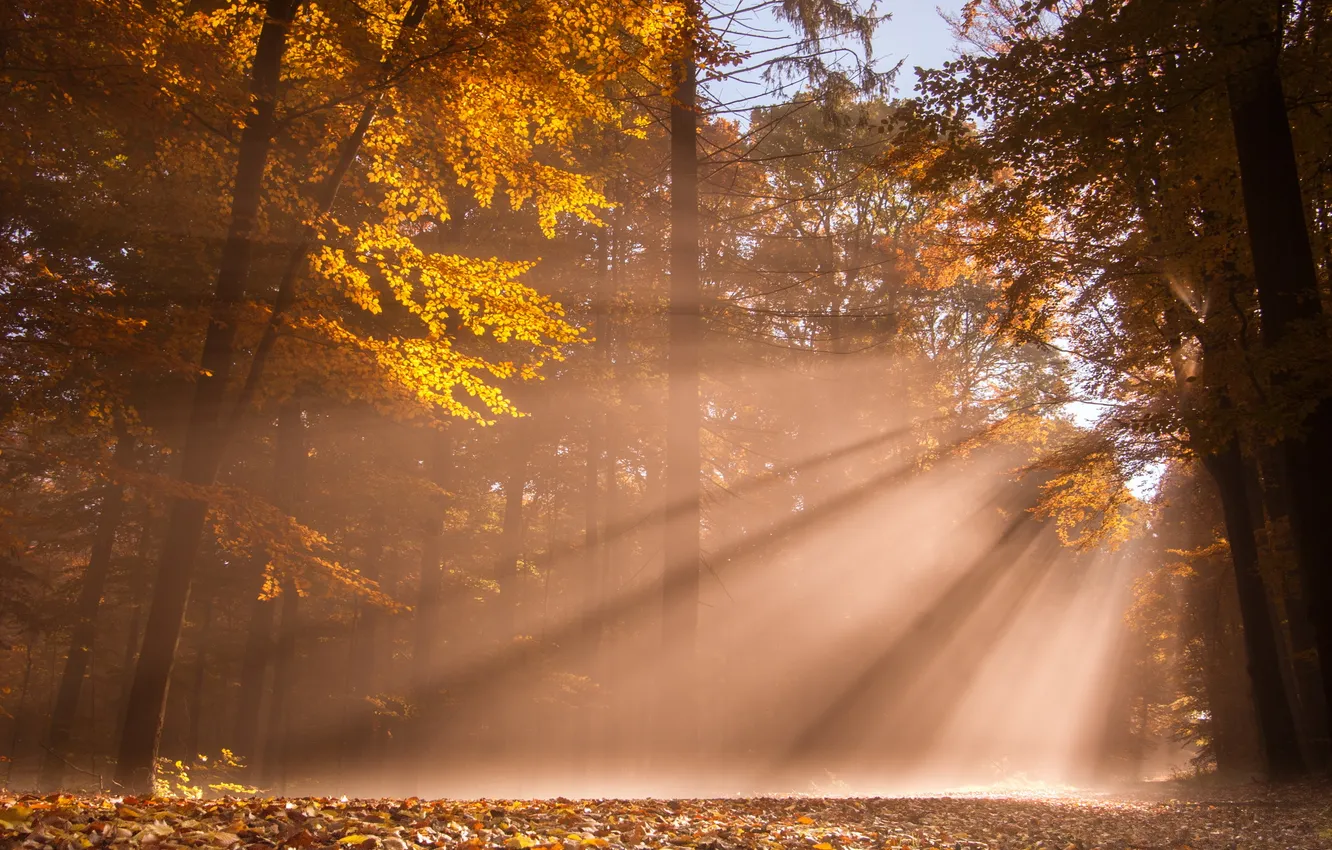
x=1247 y=817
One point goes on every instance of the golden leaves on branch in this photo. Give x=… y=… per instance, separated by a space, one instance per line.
x=1091 y=504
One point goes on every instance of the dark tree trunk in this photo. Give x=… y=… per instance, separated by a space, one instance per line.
x=85 y=623
x=1233 y=725
x=21 y=713
x=127 y=663
x=1303 y=643
x=143 y=556
x=323 y=197
x=193 y=736
x=1278 y=601
x=1275 y=720
x=203 y=441
x=1249 y=37
x=678 y=706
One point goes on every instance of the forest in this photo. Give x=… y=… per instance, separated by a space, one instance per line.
x=419 y=399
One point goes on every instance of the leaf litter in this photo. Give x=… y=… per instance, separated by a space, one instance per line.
x=1255 y=816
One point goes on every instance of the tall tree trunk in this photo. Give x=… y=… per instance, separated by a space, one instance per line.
x=1308 y=690
x=363 y=670
x=203 y=440
x=678 y=706
x=21 y=713
x=259 y=640
x=425 y=682
x=127 y=662
x=142 y=556
x=323 y=197
x=193 y=747
x=590 y=598
x=289 y=464
x=509 y=568
x=1278 y=601
x=1275 y=721
x=591 y=601
x=254 y=664
x=593 y=504
x=432 y=551
x=260 y=649
x=617 y=538
x=85 y=623
x=273 y=768
x=1233 y=722
x=1249 y=38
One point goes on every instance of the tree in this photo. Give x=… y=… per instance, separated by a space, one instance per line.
x=1150 y=211
x=1248 y=40
x=491 y=134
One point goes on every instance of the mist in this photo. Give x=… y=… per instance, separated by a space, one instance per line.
x=404 y=400
x=873 y=619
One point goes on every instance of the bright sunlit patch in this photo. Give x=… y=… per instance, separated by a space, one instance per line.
x=1145 y=484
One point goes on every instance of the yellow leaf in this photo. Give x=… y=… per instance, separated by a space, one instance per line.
x=15 y=814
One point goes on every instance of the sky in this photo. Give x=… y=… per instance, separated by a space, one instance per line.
x=917 y=34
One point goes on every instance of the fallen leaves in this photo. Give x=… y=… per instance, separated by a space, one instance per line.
x=1249 y=818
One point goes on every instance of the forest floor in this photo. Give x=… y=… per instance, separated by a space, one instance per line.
x=1162 y=816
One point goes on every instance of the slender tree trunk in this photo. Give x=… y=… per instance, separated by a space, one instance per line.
x=21 y=713
x=678 y=706
x=260 y=649
x=588 y=660
x=363 y=669
x=509 y=572
x=142 y=556
x=85 y=623
x=593 y=544
x=203 y=441
x=1275 y=720
x=289 y=465
x=432 y=551
x=127 y=663
x=1249 y=37
x=259 y=640
x=274 y=766
x=425 y=682
x=590 y=600
x=254 y=665
x=193 y=747
x=324 y=196
x=615 y=508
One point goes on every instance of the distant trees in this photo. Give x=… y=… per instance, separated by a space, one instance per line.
x=270 y=112
x=260 y=307
x=1132 y=254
